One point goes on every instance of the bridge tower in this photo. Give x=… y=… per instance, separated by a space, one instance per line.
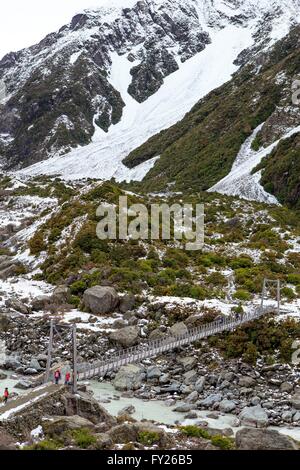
x=267 y=285
x=74 y=353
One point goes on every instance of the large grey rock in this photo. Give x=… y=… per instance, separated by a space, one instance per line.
x=153 y=372
x=101 y=299
x=129 y=377
x=87 y=407
x=41 y=302
x=103 y=442
x=258 y=439
x=295 y=401
x=127 y=410
x=3 y=376
x=296 y=417
x=12 y=363
x=8 y=267
x=188 y=362
x=190 y=377
x=34 y=364
x=125 y=337
x=199 y=385
x=254 y=416
x=227 y=406
x=211 y=400
x=23 y=385
x=60 y=424
x=192 y=397
x=61 y=295
x=156 y=334
x=183 y=408
x=127 y=303
x=18 y=306
x=247 y=382
x=130 y=432
x=286 y=387
x=178 y=329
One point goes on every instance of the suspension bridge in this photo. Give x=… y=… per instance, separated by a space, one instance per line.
x=88 y=370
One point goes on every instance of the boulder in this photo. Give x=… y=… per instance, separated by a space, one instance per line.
x=211 y=400
x=8 y=269
x=127 y=303
x=296 y=417
x=61 y=295
x=34 y=364
x=23 y=385
x=103 y=442
x=134 y=432
x=101 y=299
x=156 y=334
x=183 y=408
x=129 y=377
x=287 y=416
x=192 y=397
x=266 y=439
x=127 y=410
x=123 y=433
x=247 y=382
x=199 y=385
x=153 y=372
x=125 y=337
x=190 y=377
x=178 y=329
x=227 y=406
x=187 y=363
x=286 y=387
x=254 y=416
x=41 y=302
x=18 y=306
x=191 y=415
x=82 y=404
x=295 y=401
x=3 y=376
x=60 y=424
x=12 y=363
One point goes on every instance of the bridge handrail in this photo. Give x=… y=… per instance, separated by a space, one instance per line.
x=154 y=347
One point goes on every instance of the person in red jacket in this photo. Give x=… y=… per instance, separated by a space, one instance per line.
x=67 y=379
x=57 y=376
x=6 y=395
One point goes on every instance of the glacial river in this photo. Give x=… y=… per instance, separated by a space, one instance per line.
x=155 y=410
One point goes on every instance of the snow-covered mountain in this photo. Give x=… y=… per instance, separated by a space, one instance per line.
x=83 y=98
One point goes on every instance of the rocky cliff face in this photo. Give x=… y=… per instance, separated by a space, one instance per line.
x=60 y=91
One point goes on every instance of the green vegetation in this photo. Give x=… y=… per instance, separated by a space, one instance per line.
x=45 y=445
x=195 y=431
x=263 y=338
x=148 y=438
x=222 y=442
x=83 y=438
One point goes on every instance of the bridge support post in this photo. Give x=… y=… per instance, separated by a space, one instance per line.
x=278 y=296
x=263 y=294
x=49 y=356
x=74 y=335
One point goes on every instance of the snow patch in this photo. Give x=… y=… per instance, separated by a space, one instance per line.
x=240 y=181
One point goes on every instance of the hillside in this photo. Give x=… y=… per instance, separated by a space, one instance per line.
x=200 y=150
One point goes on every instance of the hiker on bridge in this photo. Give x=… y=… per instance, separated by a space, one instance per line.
x=67 y=378
x=57 y=376
x=5 y=395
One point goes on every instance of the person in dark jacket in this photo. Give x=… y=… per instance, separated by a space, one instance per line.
x=57 y=376
x=5 y=395
x=68 y=378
